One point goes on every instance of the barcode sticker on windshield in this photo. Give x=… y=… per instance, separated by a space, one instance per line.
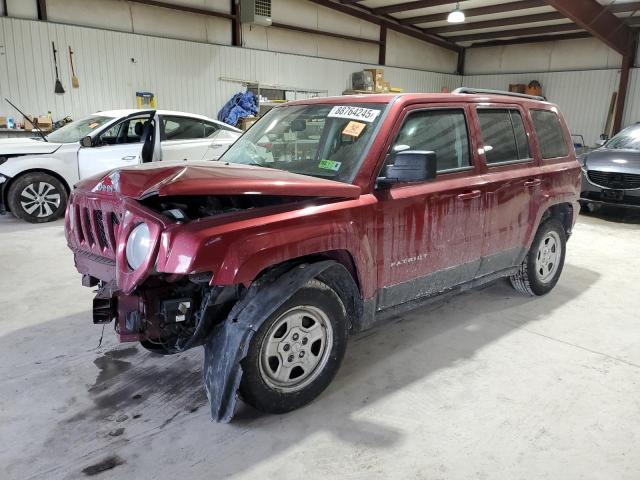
x=354 y=113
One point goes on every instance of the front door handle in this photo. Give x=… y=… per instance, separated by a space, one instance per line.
x=216 y=144
x=532 y=183
x=130 y=157
x=469 y=195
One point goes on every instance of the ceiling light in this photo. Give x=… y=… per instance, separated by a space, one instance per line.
x=457 y=16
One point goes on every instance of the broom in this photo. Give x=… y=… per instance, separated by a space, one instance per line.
x=75 y=83
x=58 y=88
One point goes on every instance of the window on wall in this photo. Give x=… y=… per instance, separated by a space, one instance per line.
x=549 y=133
x=504 y=135
x=441 y=131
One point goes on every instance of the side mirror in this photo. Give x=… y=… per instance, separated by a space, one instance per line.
x=409 y=166
x=600 y=142
x=86 y=141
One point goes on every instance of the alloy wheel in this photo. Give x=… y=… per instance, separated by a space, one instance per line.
x=40 y=199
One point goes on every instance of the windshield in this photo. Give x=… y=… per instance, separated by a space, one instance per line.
x=74 y=131
x=327 y=141
x=627 y=139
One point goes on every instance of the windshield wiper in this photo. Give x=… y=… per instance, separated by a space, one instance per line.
x=36 y=126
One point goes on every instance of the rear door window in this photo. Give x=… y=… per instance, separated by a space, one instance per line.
x=183 y=128
x=549 y=133
x=441 y=131
x=503 y=134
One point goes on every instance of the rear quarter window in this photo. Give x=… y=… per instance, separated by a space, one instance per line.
x=550 y=135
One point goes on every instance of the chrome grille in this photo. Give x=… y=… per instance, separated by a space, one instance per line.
x=616 y=180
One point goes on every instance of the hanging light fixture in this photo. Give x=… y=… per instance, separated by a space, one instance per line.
x=457 y=15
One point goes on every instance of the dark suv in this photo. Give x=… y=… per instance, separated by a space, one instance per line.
x=326 y=214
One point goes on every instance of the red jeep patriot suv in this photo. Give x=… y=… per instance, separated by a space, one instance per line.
x=326 y=214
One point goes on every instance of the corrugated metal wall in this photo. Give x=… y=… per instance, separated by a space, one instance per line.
x=185 y=75
x=632 y=110
x=112 y=66
x=583 y=96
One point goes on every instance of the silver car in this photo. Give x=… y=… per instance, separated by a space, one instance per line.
x=611 y=173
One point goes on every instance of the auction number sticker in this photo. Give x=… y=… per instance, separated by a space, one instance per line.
x=354 y=113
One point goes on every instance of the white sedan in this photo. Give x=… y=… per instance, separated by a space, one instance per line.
x=36 y=174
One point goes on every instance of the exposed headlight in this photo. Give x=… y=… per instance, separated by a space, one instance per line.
x=138 y=245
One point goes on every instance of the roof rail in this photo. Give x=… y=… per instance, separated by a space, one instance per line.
x=497 y=92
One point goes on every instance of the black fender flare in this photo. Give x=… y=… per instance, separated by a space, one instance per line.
x=229 y=341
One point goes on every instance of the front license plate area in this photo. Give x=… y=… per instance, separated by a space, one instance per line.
x=613 y=194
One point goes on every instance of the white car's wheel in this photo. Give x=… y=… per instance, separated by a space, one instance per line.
x=37 y=197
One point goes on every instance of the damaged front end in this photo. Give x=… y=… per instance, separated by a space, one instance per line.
x=122 y=246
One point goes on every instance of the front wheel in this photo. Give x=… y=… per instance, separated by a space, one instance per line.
x=37 y=197
x=541 y=268
x=297 y=351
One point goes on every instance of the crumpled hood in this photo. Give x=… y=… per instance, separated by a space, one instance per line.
x=213 y=178
x=26 y=146
x=606 y=160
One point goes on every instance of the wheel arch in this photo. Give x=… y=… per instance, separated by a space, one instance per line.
x=563 y=212
x=343 y=278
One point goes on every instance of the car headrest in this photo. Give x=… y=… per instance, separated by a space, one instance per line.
x=138 y=128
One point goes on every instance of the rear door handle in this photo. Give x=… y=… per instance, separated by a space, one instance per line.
x=532 y=183
x=469 y=195
x=216 y=144
x=130 y=157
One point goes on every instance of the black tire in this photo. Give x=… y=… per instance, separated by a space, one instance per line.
x=20 y=197
x=530 y=281
x=255 y=388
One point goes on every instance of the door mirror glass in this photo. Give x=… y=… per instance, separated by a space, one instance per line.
x=86 y=141
x=409 y=166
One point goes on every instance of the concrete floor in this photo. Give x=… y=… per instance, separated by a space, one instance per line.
x=486 y=385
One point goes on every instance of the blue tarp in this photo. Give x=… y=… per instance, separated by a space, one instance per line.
x=241 y=105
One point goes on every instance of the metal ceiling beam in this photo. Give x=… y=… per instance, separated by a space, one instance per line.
x=500 y=22
x=597 y=20
x=534 y=39
x=416 y=4
x=519 y=32
x=475 y=12
x=621 y=99
x=314 y=31
x=367 y=15
x=183 y=8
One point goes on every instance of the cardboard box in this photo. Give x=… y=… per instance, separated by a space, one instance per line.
x=362 y=80
x=246 y=122
x=378 y=78
x=29 y=120
x=3 y=122
x=45 y=124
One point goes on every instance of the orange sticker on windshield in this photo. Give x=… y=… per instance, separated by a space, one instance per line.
x=354 y=129
x=93 y=125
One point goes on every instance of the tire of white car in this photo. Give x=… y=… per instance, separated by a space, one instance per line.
x=37 y=197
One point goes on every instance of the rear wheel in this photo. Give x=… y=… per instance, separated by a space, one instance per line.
x=297 y=351
x=37 y=197
x=541 y=268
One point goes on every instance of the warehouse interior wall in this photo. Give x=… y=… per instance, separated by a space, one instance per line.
x=132 y=17
x=580 y=75
x=576 y=54
x=185 y=74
